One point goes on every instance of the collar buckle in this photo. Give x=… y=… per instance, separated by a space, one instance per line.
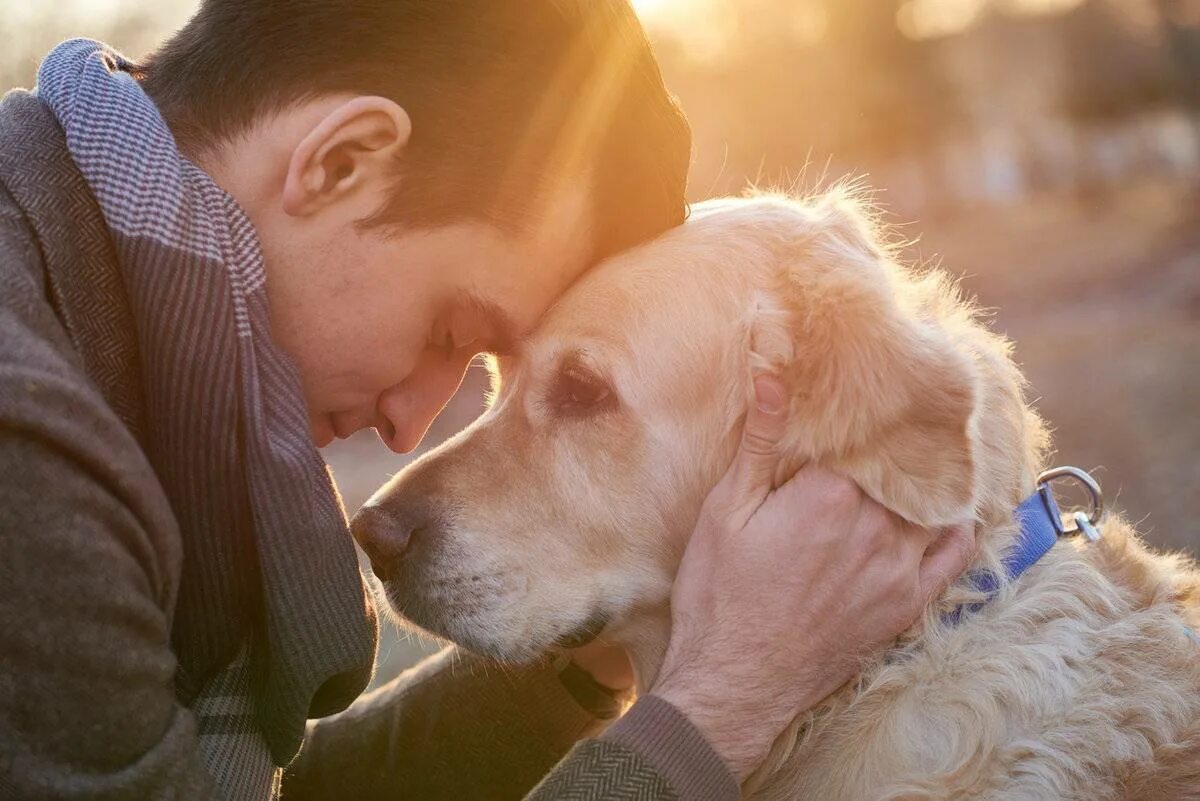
x=1085 y=524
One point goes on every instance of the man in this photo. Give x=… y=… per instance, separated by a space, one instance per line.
x=297 y=219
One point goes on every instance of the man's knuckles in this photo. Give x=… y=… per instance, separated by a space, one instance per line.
x=759 y=444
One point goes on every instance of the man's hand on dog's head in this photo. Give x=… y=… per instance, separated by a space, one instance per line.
x=781 y=591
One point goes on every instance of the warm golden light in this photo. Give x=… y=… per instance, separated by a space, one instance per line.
x=651 y=10
x=704 y=26
x=927 y=19
x=681 y=14
x=1041 y=6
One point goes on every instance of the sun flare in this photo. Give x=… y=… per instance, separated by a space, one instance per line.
x=704 y=26
x=658 y=10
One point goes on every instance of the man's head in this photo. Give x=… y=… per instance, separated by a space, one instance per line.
x=426 y=176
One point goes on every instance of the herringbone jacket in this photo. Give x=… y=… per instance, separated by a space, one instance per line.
x=90 y=566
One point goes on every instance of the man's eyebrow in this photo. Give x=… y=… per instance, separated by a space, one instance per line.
x=503 y=338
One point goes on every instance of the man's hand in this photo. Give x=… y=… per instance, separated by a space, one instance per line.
x=781 y=591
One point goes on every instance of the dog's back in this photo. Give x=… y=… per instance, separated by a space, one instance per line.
x=1080 y=682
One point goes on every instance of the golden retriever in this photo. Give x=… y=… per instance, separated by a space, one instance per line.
x=564 y=510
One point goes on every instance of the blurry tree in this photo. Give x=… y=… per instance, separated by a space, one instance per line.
x=1181 y=23
x=1116 y=62
x=905 y=103
x=801 y=80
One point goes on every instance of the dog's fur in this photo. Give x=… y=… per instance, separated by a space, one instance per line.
x=558 y=512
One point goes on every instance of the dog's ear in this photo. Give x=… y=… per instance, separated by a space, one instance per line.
x=880 y=391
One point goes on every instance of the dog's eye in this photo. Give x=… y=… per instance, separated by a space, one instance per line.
x=578 y=391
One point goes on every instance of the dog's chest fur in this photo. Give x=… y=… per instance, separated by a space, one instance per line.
x=1078 y=683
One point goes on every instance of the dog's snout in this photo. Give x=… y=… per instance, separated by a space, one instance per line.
x=384 y=535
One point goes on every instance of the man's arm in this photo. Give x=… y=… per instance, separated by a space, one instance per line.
x=88 y=568
x=654 y=753
x=454 y=727
x=457 y=728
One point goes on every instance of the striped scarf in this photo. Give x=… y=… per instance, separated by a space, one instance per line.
x=270 y=587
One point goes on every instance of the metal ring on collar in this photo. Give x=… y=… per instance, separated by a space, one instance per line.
x=1085 y=479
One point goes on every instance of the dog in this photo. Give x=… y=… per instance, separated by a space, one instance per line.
x=563 y=512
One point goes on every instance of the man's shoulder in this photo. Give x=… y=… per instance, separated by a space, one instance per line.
x=43 y=196
x=20 y=259
x=46 y=390
x=29 y=132
x=44 y=386
x=57 y=258
x=29 y=328
x=35 y=163
x=61 y=444
x=24 y=106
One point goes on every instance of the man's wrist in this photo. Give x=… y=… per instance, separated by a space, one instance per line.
x=659 y=732
x=735 y=737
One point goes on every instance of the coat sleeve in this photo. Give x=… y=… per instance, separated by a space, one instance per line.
x=89 y=562
x=654 y=753
x=455 y=728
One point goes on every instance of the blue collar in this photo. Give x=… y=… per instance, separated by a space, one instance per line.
x=1040 y=524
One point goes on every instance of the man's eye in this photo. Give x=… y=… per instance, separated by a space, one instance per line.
x=580 y=392
x=451 y=341
x=444 y=342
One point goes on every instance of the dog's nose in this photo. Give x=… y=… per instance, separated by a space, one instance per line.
x=383 y=535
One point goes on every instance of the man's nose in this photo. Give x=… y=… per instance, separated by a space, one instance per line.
x=411 y=406
x=386 y=533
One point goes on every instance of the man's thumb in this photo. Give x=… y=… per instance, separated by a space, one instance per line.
x=766 y=423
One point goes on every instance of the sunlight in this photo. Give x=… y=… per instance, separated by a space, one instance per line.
x=929 y=19
x=657 y=10
x=683 y=16
x=1035 y=7
x=704 y=26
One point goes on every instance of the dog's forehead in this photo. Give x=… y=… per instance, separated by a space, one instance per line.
x=709 y=264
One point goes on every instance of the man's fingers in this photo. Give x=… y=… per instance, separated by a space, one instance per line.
x=753 y=469
x=946 y=559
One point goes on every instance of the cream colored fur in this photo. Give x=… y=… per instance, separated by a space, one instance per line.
x=1077 y=682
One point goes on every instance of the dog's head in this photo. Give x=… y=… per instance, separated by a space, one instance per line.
x=566 y=507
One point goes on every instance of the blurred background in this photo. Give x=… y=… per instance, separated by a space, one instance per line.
x=1046 y=151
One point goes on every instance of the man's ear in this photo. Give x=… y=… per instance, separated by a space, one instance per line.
x=881 y=392
x=350 y=154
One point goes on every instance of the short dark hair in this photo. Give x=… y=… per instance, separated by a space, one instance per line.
x=506 y=97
